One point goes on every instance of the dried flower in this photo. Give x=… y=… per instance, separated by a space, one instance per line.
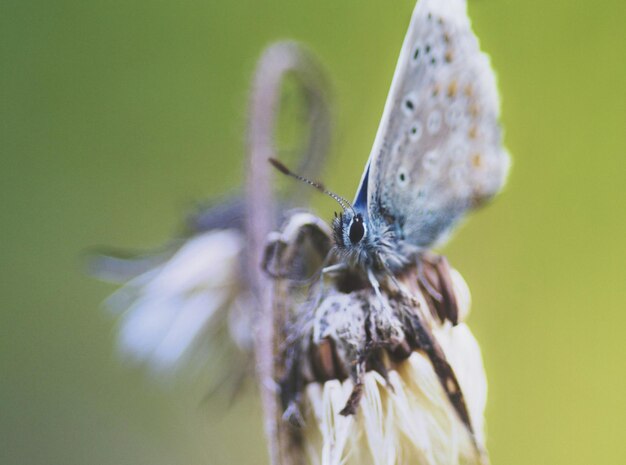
x=361 y=387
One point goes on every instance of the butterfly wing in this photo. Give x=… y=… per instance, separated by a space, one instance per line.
x=438 y=151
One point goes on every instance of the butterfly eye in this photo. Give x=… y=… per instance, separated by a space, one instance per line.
x=357 y=229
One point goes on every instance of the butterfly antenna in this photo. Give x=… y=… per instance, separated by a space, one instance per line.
x=318 y=185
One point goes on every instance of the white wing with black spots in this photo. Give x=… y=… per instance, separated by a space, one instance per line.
x=438 y=151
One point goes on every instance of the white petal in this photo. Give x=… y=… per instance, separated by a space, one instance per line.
x=171 y=306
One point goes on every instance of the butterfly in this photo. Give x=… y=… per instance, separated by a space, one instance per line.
x=438 y=152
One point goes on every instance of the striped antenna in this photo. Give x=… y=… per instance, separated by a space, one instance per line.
x=318 y=185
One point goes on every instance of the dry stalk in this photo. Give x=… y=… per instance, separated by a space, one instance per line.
x=278 y=61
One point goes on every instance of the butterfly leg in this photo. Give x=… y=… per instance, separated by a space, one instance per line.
x=369 y=356
x=327 y=271
x=337 y=268
x=386 y=309
x=362 y=356
x=358 y=374
x=387 y=327
x=375 y=285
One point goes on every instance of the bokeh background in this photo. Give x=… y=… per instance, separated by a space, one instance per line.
x=116 y=116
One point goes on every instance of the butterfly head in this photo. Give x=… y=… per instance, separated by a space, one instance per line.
x=366 y=244
x=362 y=243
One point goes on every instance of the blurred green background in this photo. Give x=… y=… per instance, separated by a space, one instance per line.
x=116 y=116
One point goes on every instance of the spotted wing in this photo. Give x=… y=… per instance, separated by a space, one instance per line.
x=438 y=151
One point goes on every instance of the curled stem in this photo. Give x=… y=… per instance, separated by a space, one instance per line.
x=278 y=61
